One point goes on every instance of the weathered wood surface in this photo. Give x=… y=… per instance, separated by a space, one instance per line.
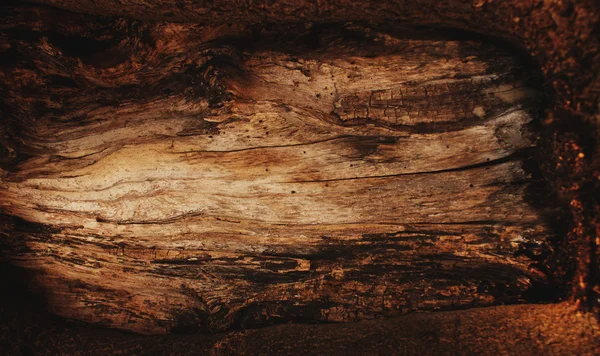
x=542 y=329
x=561 y=36
x=167 y=176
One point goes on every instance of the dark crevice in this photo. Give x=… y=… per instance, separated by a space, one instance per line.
x=514 y=157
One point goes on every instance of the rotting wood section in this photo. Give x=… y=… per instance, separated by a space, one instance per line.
x=507 y=329
x=167 y=176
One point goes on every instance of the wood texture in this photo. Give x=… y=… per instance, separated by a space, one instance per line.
x=164 y=176
x=544 y=329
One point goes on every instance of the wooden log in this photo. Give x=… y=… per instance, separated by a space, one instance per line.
x=164 y=176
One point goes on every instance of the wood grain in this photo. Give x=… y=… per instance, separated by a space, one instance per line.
x=164 y=176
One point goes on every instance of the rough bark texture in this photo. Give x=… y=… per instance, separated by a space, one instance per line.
x=209 y=178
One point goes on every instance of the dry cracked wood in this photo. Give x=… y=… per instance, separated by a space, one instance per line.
x=163 y=176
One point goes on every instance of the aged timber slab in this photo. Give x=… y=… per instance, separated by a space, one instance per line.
x=163 y=176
